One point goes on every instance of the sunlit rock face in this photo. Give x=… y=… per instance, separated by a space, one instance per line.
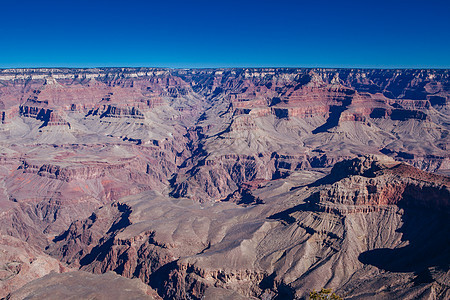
x=227 y=182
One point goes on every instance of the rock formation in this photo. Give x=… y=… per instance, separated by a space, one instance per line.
x=235 y=183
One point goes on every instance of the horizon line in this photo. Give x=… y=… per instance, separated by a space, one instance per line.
x=227 y=67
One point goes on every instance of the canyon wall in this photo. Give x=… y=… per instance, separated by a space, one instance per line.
x=245 y=182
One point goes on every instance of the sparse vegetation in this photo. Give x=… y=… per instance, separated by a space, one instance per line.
x=324 y=294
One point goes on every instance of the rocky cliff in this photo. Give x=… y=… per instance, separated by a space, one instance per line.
x=295 y=239
x=261 y=183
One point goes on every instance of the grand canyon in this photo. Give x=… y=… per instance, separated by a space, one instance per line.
x=226 y=183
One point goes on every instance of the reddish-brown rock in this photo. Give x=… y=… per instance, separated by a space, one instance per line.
x=207 y=182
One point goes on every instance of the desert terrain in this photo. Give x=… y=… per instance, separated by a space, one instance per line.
x=240 y=183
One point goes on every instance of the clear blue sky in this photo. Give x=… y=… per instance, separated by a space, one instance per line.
x=197 y=33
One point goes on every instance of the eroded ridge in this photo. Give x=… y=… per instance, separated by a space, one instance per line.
x=235 y=183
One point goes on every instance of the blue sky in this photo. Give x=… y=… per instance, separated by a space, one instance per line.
x=197 y=33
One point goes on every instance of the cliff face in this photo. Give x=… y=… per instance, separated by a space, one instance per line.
x=22 y=263
x=288 y=120
x=295 y=239
x=221 y=181
x=375 y=183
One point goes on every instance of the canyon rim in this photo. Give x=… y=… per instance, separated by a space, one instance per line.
x=224 y=183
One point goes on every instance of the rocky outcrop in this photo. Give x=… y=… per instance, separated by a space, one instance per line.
x=117 y=112
x=85 y=171
x=95 y=245
x=368 y=183
x=216 y=178
x=243 y=196
x=21 y=263
x=47 y=116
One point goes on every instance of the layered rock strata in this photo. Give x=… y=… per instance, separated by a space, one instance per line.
x=211 y=181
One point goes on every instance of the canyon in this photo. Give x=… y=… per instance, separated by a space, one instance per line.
x=235 y=183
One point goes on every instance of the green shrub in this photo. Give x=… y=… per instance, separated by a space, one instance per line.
x=324 y=294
